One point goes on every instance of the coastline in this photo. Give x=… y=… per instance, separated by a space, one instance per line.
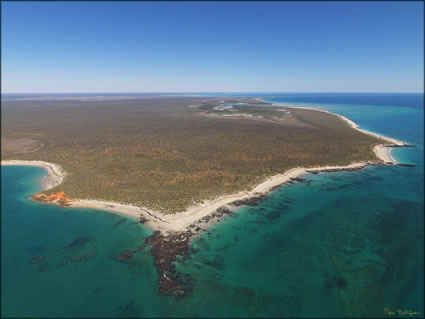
x=198 y=217
x=55 y=173
x=382 y=151
x=172 y=234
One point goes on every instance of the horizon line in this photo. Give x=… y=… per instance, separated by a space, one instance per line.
x=228 y=92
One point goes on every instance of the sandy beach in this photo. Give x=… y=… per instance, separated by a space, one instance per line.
x=382 y=151
x=196 y=214
x=193 y=214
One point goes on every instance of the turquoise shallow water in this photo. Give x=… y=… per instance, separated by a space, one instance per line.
x=336 y=245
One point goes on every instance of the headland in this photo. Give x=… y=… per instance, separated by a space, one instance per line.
x=173 y=232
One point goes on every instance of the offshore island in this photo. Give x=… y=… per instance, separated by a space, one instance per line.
x=177 y=164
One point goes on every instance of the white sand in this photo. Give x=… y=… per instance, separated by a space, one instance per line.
x=181 y=221
x=382 y=151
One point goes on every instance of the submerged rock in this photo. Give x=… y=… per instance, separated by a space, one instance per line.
x=406 y=165
x=125 y=255
x=76 y=259
x=252 y=201
x=37 y=260
x=165 y=250
x=143 y=219
x=83 y=254
x=78 y=242
x=119 y=222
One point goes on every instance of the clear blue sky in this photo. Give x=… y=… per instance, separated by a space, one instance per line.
x=212 y=47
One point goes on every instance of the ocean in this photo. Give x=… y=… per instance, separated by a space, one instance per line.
x=342 y=244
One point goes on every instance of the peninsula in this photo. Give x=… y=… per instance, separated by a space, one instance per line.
x=177 y=164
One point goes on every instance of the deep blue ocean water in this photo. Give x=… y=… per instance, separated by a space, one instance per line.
x=339 y=244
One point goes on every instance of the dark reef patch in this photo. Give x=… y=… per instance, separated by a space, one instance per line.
x=78 y=242
x=37 y=260
x=273 y=215
x=406 y=165
x=168 y=250
x=165 y=250
x=119 y=222
x=125 y=255
x=251 y=201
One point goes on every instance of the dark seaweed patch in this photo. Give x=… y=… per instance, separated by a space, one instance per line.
x=273 y=215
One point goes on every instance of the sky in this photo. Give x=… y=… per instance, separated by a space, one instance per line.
x=55 y=47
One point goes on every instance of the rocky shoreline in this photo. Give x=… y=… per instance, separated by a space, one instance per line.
x=172 y=236
x=57 y=198
x=167 y=249
x=168 y=246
